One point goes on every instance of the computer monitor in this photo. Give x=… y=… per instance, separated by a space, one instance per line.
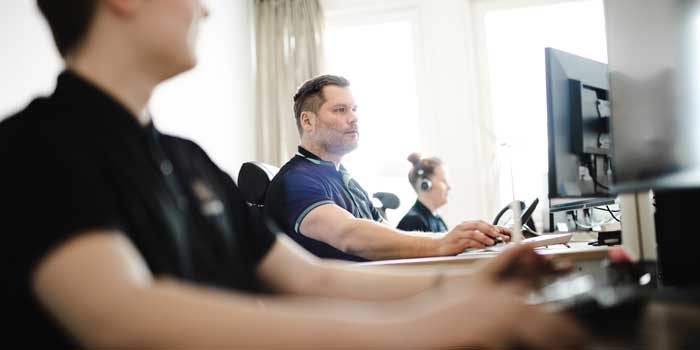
x=653 y=53
x=654 y=64
x=578 y=126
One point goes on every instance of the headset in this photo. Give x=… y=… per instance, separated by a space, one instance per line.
x=425 y=184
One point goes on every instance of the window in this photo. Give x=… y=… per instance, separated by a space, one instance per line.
x=377 y=56
x=514 y=40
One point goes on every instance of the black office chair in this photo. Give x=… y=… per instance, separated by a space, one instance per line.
x=388 y=200
x=253 y=180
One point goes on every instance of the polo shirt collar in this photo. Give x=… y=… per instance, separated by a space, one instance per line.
x=306 y=154
x=423 y=209
x=95 y=105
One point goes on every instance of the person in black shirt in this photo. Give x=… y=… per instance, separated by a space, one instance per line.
x=428 y=178
x=118 y=236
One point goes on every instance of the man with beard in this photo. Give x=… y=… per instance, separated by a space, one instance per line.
x=315 y=200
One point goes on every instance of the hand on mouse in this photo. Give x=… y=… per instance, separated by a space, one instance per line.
x=471 y=234
x=504 y=233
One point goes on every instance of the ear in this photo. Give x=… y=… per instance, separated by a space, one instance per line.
x=122 y=7
x=308 y=121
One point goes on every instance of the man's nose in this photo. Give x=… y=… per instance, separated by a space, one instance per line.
x=204 y=10
x=353 y=117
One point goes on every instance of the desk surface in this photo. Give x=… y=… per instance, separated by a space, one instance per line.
x=663 y=324
x=576 y=251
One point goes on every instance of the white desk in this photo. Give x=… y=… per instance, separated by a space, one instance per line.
x=584 y=256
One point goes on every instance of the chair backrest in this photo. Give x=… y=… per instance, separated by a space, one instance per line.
x=253 y=180
x=388 y=200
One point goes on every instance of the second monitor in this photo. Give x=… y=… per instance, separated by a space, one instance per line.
x=578 y=125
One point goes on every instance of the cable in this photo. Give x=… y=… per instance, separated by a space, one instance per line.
x=612 y=214
x=600 y=116
x=592 y=225
x=593 y=168
x=593 y=173
x=613 y=210
x=596 y=183
x=608 y=210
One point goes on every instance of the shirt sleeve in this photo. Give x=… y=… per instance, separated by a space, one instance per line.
x=51 y=192
x=294 y=195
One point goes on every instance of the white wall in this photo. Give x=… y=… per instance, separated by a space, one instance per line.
x=212 y=104
x=29 y=61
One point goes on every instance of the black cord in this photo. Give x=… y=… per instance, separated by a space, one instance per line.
x=614 y=211
x=599 y=143
x=612 y=214
x=607 y=209
x=594 y=175
x=600 y=116
x=614 y=217
x=593 y=172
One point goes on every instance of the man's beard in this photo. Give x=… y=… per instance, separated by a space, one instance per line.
x=340 y=148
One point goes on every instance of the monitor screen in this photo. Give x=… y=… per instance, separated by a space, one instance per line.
x=654 y=64
x=578 y=126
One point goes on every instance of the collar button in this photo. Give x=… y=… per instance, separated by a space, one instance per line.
x=166 y=167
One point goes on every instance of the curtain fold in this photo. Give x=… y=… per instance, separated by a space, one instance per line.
x=289 y=50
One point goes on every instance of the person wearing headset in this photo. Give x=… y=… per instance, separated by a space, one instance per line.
x=428 y=177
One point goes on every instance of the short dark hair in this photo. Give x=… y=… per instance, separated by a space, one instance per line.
x=69 y=21
x=309 y=96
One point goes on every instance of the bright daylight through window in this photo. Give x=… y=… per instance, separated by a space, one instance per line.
x=515 y=40
x=378 y=59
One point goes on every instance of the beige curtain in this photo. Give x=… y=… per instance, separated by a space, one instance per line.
x=289 y=37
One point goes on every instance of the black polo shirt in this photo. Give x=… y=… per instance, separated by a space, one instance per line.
x=307 y=182
x=419 y=218
x=77 y=161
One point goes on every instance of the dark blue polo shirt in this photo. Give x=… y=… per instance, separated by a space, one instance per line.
x=419 y=218
x=307 y=182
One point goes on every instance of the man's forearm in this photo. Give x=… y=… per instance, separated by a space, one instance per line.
x=379 y=242
x=287 y=268
x=376 y=283
x=175 y=315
